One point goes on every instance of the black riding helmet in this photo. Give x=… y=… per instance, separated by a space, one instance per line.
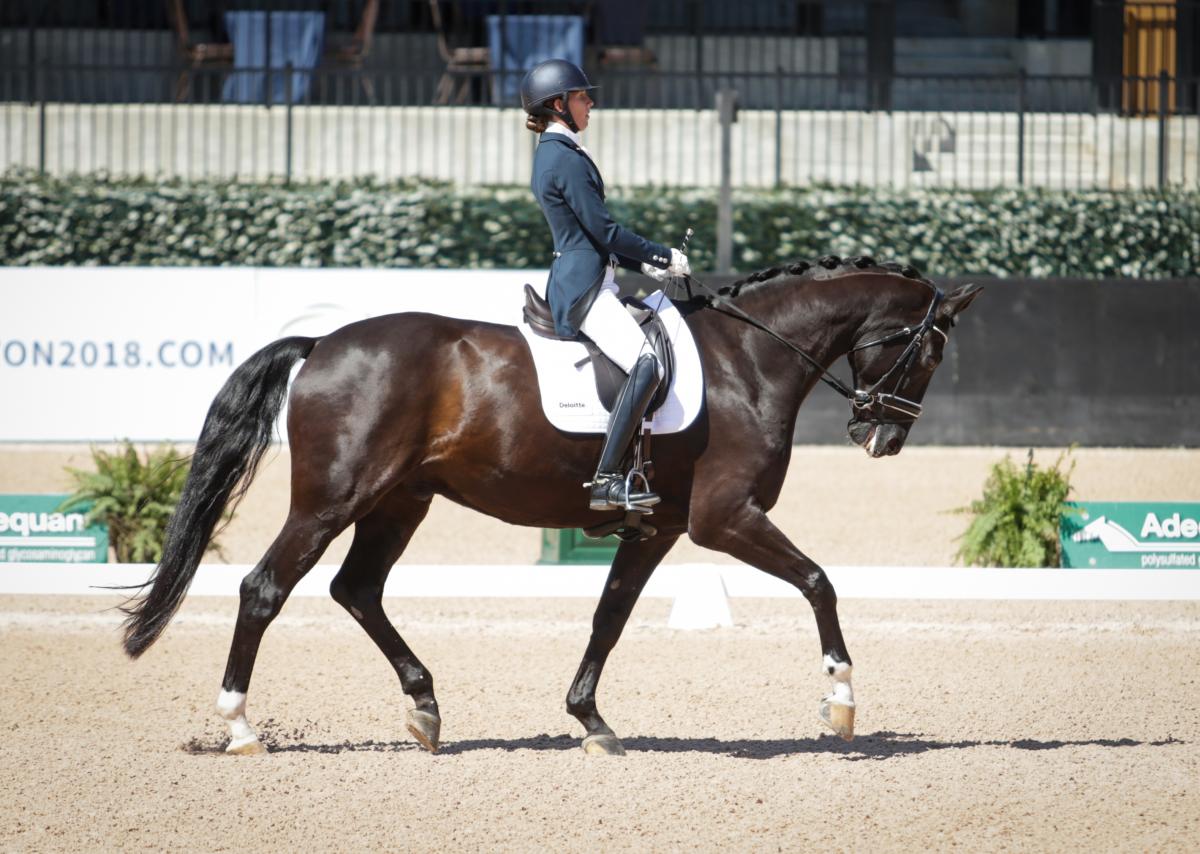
x=551 y=79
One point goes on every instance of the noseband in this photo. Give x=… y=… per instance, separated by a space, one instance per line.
x=865 y=399
x=860 y=400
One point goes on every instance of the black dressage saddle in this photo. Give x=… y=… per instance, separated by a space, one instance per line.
x=609 y=376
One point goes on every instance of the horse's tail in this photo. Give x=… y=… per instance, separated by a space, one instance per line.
x=236 y=433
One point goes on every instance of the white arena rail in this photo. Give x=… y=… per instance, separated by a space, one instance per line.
x=700 y=592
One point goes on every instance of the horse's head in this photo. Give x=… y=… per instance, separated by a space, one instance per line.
x=892 y=369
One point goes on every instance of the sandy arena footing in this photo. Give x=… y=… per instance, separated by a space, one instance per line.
x=982 y=726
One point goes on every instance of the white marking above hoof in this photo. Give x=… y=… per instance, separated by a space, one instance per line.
x=231 y=705
x=839 y=670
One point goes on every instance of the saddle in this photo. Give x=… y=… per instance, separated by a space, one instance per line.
x=609 y=376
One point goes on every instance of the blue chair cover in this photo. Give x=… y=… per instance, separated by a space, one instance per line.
x=296 y=37
x=516 y=43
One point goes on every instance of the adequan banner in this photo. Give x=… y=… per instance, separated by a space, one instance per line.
x=99 y=354
x=1131 y=535
x=32 y=530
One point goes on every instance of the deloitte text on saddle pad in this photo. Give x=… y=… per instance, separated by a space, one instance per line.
x=1131 y=535
x=33 y=531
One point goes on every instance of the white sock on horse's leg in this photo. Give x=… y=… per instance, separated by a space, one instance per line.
x=839 y=672
x=837 y=709
x=231 y=705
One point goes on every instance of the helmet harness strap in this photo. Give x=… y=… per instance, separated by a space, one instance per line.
x=565 y=112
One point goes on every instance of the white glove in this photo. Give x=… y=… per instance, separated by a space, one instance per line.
x=679 y=264
x=656 y=273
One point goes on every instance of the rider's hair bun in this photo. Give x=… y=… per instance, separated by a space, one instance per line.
x=537 y=124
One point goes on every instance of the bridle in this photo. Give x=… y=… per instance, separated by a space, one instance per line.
x=865 y=399
x=861 y=400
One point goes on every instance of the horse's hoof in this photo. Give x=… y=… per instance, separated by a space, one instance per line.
x=246 y=746
x=603 y=744
x=425 y=727
x=838 y=717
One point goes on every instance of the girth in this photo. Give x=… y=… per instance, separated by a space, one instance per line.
x=609 y=376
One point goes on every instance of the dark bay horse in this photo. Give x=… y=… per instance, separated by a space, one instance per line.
x=388 y=412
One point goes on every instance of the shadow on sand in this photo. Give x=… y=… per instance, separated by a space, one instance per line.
x=869 y=746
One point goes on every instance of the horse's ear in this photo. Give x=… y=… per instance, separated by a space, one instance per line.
x=957 y=300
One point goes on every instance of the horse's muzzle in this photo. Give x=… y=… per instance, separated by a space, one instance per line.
x=877 y=438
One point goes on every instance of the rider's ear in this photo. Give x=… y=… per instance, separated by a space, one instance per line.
x=957 y=301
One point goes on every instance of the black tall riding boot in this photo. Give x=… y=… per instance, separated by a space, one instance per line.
x=608 y=486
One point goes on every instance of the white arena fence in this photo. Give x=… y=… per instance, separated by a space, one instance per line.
x=700 y=592
x=635 y=147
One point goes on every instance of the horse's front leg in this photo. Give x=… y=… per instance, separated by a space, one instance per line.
x=631 y=569
x=744 y=531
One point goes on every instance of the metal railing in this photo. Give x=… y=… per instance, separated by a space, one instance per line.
x=826 y=143
x=122 y=94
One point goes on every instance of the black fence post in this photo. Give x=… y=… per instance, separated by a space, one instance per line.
x=697 y=21
x=1021 y=126
x=778 y=126
x=267 y=81
x=36 y=95
x=39 y=93
x=287 y=98
x=1164 y=91
x=31 y=60
x=881 y=54
x=726 y=116
x=1108 y=47
x=41 y=135
x=1187 y=55
x=498 y=95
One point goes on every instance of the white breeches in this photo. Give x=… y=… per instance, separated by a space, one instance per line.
x=615 y=332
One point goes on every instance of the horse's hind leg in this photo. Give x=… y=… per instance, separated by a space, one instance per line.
x=263 y=592
x=379 y=539
x=631 y=569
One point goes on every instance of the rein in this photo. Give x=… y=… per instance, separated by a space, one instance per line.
x=860 y=399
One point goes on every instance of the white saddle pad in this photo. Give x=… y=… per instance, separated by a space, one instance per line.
x=569 y=396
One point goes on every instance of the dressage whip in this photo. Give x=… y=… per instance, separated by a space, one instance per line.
x=671 y=284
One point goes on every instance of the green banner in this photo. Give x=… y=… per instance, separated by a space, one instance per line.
x=1131 y=535
x=569 y=545
x=33 y=531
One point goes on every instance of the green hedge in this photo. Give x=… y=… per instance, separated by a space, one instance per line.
x=92 y=220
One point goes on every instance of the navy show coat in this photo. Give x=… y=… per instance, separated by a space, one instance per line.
x=568 y=186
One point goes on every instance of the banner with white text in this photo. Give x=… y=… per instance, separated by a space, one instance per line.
x=101 y=354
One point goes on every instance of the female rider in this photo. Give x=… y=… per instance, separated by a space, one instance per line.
x=588 y=246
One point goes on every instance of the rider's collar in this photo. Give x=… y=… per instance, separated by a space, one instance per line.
x=558 y=127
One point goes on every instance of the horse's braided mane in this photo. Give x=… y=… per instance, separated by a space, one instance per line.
x=828 y=267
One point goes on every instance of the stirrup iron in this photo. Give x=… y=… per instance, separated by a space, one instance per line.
x=635 y=474
x=605 y=483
